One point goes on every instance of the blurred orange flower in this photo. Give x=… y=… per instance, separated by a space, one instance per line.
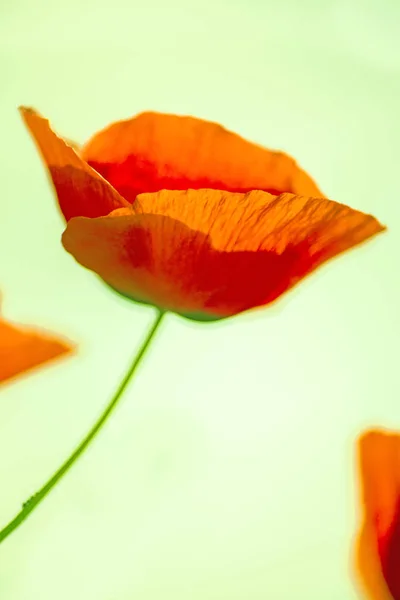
x=23 y=349
x=378 y=545
x=180 y=213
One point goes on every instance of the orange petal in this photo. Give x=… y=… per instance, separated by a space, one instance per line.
x=22 y=349
x=379 y=541
x=154 y=151
x=81 y=191
x=212 y=254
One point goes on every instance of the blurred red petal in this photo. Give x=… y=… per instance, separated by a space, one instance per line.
x=155 y=151
x=378 y=544
x=23 y=349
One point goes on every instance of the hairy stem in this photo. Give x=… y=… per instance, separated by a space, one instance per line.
x=35 y=500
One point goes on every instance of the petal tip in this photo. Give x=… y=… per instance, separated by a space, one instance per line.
x=26 y=111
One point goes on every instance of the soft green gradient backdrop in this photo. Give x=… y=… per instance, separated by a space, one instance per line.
x=227 y=473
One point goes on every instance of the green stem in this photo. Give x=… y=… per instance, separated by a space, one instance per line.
x=35 y=500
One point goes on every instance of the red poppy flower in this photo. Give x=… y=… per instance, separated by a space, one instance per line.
x=180 y=213
x=378 y=546
x=22 y=349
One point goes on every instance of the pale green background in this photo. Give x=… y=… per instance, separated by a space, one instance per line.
x=227 y=473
